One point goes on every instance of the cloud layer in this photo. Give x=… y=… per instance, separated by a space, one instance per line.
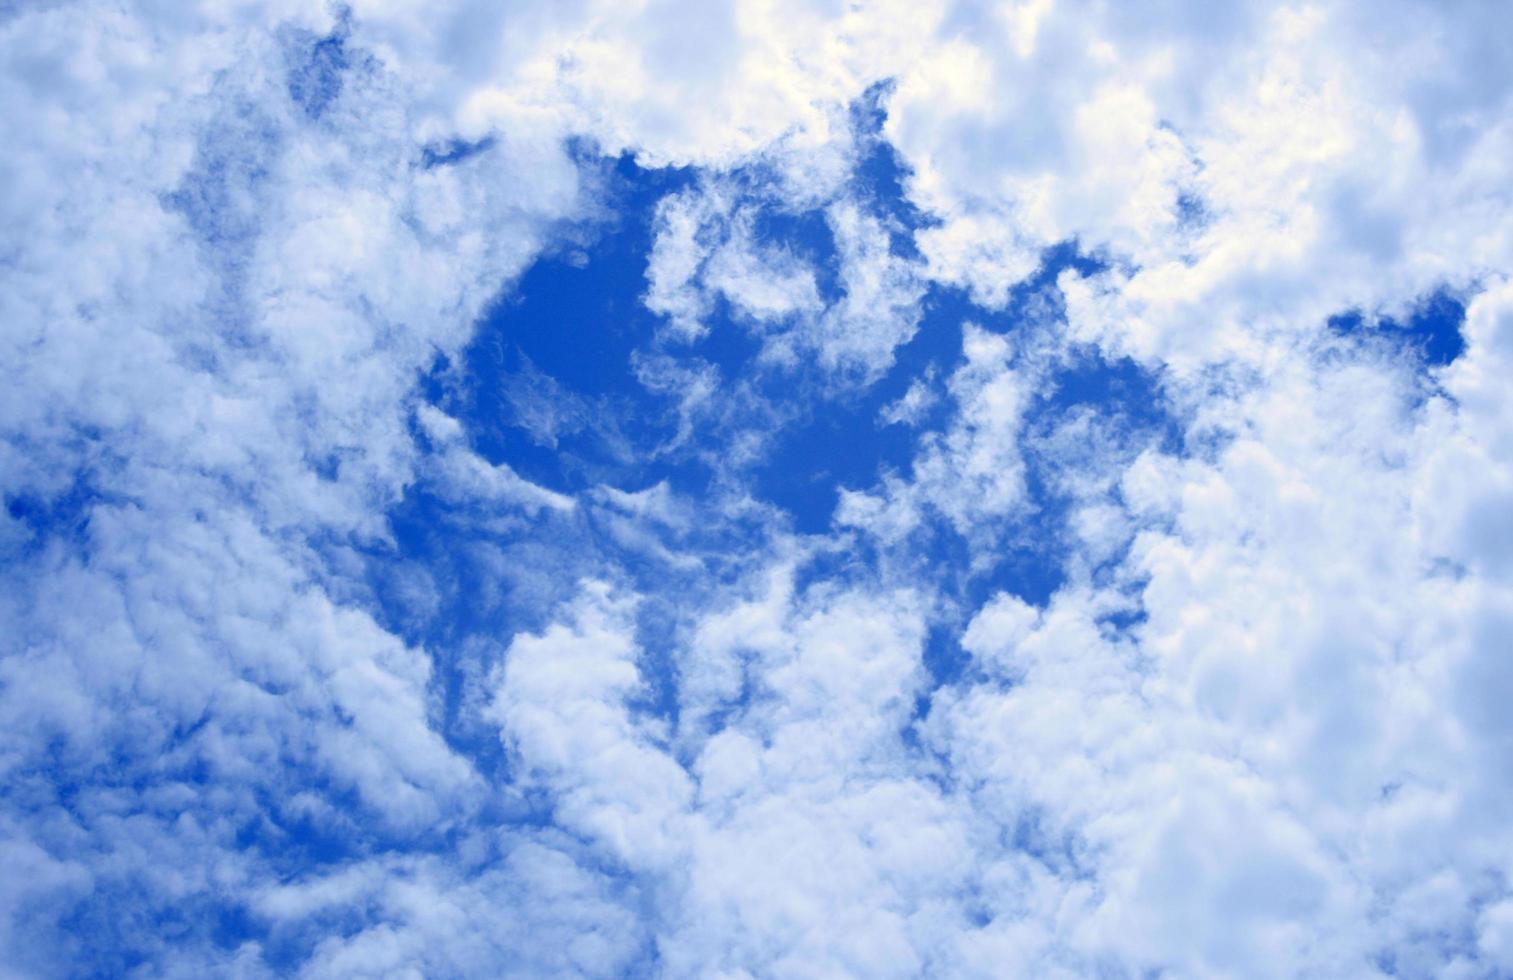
x=757 y=489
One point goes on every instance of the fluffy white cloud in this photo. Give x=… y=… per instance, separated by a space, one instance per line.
x=217 y=302
x=707 y=250
x=1259 y=730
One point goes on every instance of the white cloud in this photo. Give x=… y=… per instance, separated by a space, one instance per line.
x=973 y=472
x=765 y=283
x=913 y=404
x=215 y=309
x=217 y=295
x=534 y=911
x=561 y=704
x=708 y=249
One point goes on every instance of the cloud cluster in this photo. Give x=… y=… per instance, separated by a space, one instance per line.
x=710 y=251
x=302 y=675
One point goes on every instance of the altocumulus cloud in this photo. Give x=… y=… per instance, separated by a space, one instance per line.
x=756 y=489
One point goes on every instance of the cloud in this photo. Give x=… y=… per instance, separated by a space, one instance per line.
x=307 y=672
x=710 y=249
x=217 y=305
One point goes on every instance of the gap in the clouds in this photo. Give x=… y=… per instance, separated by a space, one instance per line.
x=443 y=153
x=314 y=76
x=1030 y=559
x=833 y=436
x=1430 y=333
x=1126 y=396
x=842 y=441
x=550 y=386
x=549 y=383
x=880 y=175
x=806 y=235
x=944 y=658
x=656 y=632
x=1115 y=409
x=46 y=519
x=295 y=839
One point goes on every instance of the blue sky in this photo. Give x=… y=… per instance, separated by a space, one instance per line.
x=746 y=490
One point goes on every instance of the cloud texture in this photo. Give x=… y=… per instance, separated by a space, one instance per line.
x=756 y=489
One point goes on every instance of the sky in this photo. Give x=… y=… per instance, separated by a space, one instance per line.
x=776 y=488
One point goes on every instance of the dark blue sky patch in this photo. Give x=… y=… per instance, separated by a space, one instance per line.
x=1121 y=389
x=444 y=153
x=657 y=636
x=944 y=657
x=52 y=518
x=728 y=345
x=294 y=841
x=1127 y=411
x=880 y=175
x=1431 y=332
x=460 y=586
x=839 y=438
x=454 y=573
x=548 y=384
x=1121 y=621
x=316 y=66
x=808 y=236
x=843 y=443
x=839 y=445
x=1053 y=262
x=1029 y=304
x=1032 y=550
x=1437 y=322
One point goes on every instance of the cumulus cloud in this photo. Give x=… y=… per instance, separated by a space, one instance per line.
x=709 y=250
x=310 y=668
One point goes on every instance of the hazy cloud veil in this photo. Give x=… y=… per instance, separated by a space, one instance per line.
x=778 y=488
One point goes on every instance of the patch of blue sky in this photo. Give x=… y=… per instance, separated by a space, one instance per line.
x=39 y=520
x=879 y=175
x=1031 y=558
x=317 y=64
x=840 y=442
x=1119 y=391
x=548 y=384
x=1430 y=333
x=443 y=153
x=549 y=387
